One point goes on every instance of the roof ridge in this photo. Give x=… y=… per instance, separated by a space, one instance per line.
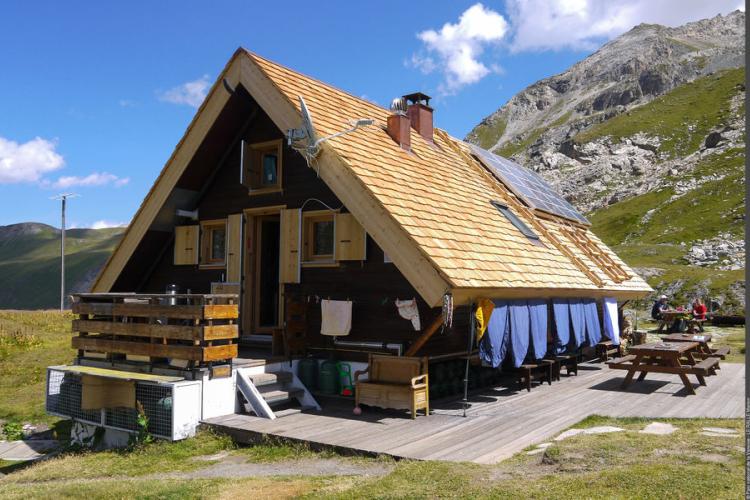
x=254 y=55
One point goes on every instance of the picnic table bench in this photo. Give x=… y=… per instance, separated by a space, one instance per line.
x=543 y=369
x=665 y=357
x=704 y=350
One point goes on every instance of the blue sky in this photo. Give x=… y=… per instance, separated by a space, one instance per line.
x=95 y=95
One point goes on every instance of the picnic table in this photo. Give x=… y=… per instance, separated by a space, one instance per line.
x=703 y=339
x=665 y=357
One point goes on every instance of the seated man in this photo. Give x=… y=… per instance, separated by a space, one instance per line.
x=699 y=312
x=657 y=312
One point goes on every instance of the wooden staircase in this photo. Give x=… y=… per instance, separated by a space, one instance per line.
x=273 y=394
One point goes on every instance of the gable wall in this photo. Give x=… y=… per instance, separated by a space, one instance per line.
x=373 y=285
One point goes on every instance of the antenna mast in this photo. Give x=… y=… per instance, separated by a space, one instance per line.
x=63 y=199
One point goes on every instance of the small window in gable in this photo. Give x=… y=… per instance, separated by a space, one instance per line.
x=261 y=170
x=518 y=223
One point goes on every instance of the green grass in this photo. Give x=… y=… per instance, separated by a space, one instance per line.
x=30 y=264
x=486 y=136
x=682 y=117
x=29 y=342
x=625 y=464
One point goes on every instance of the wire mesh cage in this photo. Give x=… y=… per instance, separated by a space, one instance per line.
x=64 y=395
x=156 y=401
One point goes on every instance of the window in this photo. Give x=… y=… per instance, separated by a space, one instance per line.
x=513 y=218
x=318 y=236
x=213 y=242
x=261 y=169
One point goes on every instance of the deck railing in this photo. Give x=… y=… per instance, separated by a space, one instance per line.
x=193 y=330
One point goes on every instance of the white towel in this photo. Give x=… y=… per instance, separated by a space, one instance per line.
x=336 y=317
x=407 y=309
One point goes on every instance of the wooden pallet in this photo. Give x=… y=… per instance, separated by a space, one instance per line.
x=189 y=330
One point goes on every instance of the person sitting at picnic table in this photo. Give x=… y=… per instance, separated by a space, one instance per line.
x=657 y=311
x=699 y=312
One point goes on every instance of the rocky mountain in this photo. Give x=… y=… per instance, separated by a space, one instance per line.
x=647 y=136
x=30 y=262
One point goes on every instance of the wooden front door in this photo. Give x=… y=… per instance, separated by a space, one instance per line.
x=262 y=299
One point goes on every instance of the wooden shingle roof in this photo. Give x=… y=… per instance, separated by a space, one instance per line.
x=440 y=196
x=429 y=208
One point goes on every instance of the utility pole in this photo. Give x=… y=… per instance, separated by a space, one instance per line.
x=63 y=199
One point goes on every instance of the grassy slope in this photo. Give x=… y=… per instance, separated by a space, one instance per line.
x=682 y=117
x=30 y=264
x=717 y=206
x=688 y=113
x=29 y=342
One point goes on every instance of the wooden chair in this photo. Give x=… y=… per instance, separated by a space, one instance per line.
x=396 y=382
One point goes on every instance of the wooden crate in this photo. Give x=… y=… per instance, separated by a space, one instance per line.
x=187 y=330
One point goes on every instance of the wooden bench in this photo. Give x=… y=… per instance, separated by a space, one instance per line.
x=721 y=352
x=605 y=348
x=396 y=382
x=569 y=361
x=543 y=370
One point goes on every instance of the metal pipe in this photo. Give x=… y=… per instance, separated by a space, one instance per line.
x=399 y=348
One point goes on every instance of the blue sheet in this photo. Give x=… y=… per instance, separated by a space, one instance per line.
x=494 y=344
x=519 y=330
x=561 y=311
x=538 y=316
x=611 y=320
x=593 y=329
x=578 y=320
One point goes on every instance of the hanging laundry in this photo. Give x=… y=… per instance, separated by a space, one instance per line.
x=561 y=311
x=578 y=320
x=483 y=314
x=519 y=330
x=538 y=316
x=336 y=317
x=611 y=320
x=408 y=309
x=593 y=328
x=494 y=345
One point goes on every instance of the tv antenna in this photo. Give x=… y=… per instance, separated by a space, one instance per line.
x=305 y=140
x=63 y=199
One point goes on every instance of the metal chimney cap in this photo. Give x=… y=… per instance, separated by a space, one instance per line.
x=398 y=105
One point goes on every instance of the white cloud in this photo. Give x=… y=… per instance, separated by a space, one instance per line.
x=29 y=161
x=459 y=46
x=189 y=93
x=539 y=25
x=104 y=224
x=127 y=103
x=94 y=179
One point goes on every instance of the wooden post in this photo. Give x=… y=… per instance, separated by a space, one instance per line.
x=426 y=335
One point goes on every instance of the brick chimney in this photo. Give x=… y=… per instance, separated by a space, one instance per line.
x=420 y=114
x=399 y=125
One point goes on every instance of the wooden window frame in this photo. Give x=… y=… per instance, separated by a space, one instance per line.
x=257 y=150
x=207 y=229
x=309 y=219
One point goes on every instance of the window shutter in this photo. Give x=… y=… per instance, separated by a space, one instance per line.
x=351 y=238
x=252 y=167
x=186 y=245
x=234 y=248
x=289 y=266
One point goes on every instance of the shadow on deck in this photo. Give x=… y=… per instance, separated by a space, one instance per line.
x=499 y=422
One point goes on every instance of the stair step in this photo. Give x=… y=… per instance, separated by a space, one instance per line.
x=292 y=411
x=278 y=397
x=270 y=378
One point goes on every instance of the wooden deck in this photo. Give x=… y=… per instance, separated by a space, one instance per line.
x=500 y=422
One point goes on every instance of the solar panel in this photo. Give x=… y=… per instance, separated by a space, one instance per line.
x=528 y=186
